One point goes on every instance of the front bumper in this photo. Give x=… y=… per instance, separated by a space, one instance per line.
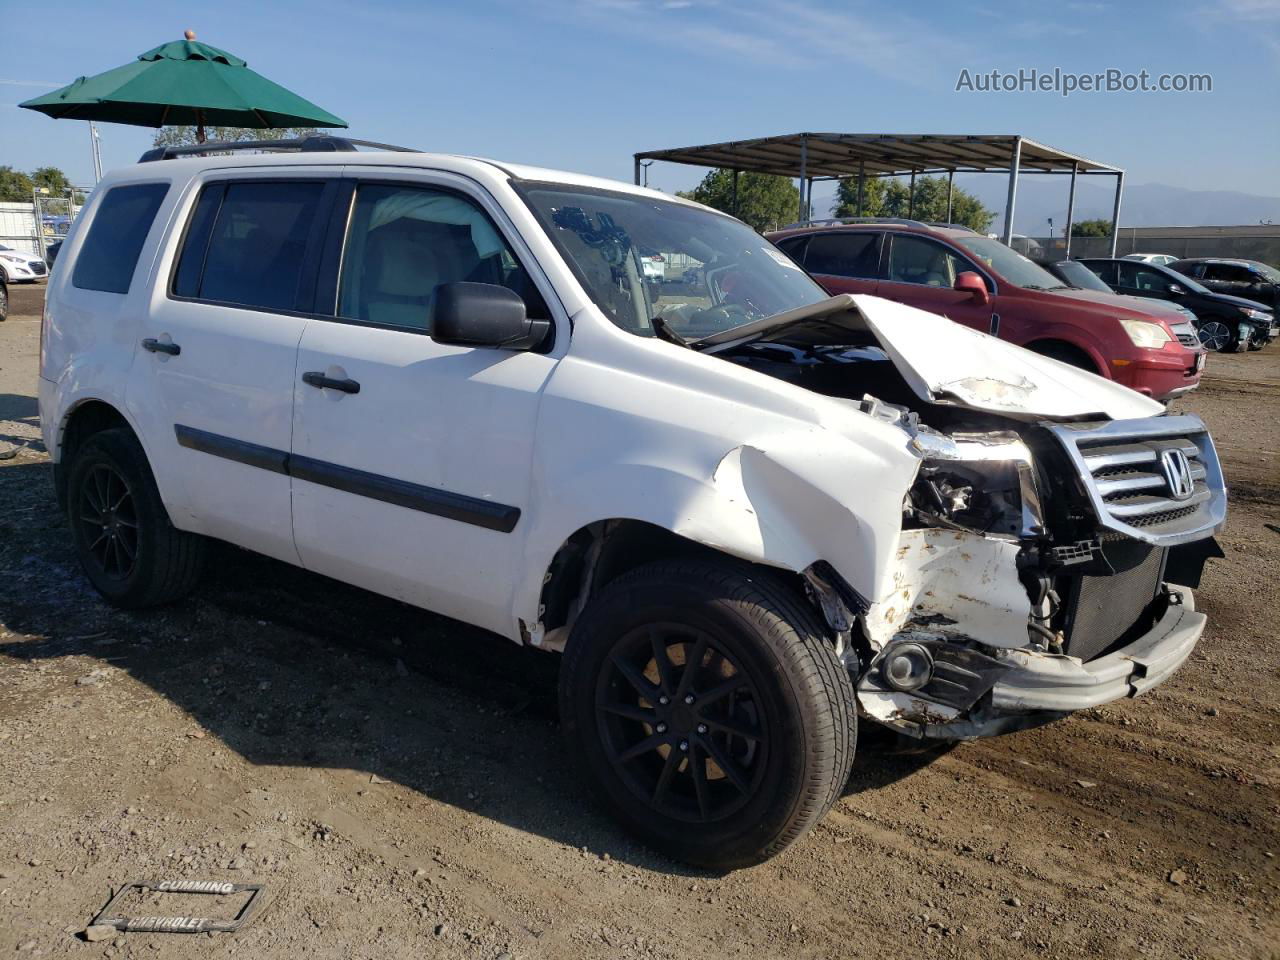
x=1031 y=688
x=1046 y=682
x=1161 y=374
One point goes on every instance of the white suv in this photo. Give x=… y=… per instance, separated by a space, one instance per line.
x=747 y=513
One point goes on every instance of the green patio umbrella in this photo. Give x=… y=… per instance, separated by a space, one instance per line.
x=183 y=82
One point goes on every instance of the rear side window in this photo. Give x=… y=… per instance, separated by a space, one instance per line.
x=110 y=252
x=844 y=255
x=246 y=243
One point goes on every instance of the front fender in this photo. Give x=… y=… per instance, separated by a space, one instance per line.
x=783 y=501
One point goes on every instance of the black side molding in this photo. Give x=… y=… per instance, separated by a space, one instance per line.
x=255 y=455
x=441 y=503
x=401 y=493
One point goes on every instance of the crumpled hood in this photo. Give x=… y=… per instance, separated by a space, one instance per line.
x=947 y=363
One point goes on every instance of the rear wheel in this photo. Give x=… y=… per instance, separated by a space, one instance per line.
x=704 y=703
x=130 y=551
x=1216 y=335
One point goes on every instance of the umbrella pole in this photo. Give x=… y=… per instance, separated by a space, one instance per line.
x=199 y=126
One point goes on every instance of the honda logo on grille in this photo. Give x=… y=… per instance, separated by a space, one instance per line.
x=1177 y=473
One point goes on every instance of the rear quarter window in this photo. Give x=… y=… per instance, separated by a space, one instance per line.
x=109 y=253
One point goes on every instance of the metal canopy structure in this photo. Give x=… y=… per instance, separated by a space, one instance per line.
x=815 y=157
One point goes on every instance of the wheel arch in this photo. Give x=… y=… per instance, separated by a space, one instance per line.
x=1046 y=346
x=82 y=420
x=599 y=553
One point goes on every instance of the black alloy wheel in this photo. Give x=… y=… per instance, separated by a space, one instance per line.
x=108 y=520
x=703 y=702
x=681 y=722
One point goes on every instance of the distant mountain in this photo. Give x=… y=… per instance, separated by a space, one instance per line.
x=1143 y=205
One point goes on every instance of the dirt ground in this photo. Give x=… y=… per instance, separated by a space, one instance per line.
x=397 y=782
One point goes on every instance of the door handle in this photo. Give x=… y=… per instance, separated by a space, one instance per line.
x=152 y=345
x=317 y=379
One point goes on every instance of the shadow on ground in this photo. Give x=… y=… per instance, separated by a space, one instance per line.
x=290 y=668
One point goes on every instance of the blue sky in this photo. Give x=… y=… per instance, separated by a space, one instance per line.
x=582 y=84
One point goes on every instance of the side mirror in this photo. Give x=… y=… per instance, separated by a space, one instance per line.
x=1175 y=289
x=484 y=315
x=974 y=286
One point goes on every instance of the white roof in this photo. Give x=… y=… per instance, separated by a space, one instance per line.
x=478 y=168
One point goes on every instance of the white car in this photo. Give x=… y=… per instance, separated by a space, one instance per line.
x=746 y=518
x=1159 y=259
x=16 y=266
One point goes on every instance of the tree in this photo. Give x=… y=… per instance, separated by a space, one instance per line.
x=1091 y=228
x=53 y=179
x=186 y=136
x=765 y=202
x=15 y=186
x=892 y=198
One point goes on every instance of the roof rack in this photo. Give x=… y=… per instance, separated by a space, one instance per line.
x=314 y=143
x=836 y=221
x=950 y=226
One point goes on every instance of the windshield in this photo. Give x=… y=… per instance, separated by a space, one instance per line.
x=640 y=259
x=1009 y=264
x=1270 y=272
x=1078 y=275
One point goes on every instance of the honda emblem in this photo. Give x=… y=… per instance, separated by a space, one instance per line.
x=1177 y=473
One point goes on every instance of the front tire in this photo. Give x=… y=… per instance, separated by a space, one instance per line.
x=130 y=551
x=704 y=703
x=1217 y=336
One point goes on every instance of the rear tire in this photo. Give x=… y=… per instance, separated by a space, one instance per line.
x=727 y=765
x=131 y=553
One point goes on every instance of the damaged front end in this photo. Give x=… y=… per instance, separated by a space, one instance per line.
x=1040 y=570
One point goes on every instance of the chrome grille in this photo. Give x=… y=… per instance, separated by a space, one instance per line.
x=1188 y=340
x=1131 y=471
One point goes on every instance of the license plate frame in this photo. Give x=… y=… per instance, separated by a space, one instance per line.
x=109 y=915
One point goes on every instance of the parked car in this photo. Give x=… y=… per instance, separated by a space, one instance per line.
x=19 y=267
x=1224 y=322
x=1251 y=279
x=1075 y=274
x=4 y=300
x=51 y=251
x=981 y=283
x=1160 y=259
x=447 y=381
x=654 y=266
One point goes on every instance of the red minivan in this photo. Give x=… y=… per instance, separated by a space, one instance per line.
x=983 y=284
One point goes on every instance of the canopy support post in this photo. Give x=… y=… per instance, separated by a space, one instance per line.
x=1115 y=212
x=951 y=189
x=804 y=174
x=735 y=193
x=911 y=197
x=862 y=184
x=1071 y=206
x=636 y=157
x=1014 y=162
x=200 y=138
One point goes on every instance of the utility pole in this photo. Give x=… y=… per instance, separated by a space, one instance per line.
x=97 y=152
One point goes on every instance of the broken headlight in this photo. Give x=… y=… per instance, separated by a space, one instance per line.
x=978 y=482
